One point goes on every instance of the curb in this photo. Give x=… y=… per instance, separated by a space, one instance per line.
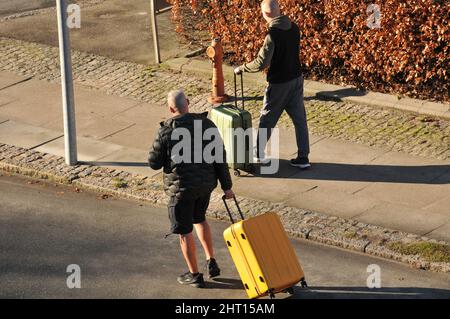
x=329 y=230
x=323 y=90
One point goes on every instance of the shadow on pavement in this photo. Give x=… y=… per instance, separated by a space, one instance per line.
x=336 y=95
x=366 y=293
x=429 y=174
x=224 y=283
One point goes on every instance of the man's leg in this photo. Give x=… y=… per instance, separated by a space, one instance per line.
x=181 y=213
x=295 y=108
x=189 y=252
x=273 y=106
x=204 y=235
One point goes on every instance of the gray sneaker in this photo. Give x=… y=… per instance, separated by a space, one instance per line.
x=213 y=268
x=194 y=280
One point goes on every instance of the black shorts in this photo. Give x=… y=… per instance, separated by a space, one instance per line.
x=187 y=211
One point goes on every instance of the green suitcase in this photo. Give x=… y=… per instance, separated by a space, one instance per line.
x=235 y=127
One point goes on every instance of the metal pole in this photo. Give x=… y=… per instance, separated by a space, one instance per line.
x=155 y=31
x=70 y=137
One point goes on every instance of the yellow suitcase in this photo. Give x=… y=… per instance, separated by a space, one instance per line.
x=263 y=254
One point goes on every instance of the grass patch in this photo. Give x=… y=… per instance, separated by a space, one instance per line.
x=194 y=89
x=430 y=251
x=119 y=183
x=350 y=235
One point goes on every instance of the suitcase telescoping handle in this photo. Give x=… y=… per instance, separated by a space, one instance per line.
x=228 y=209
x=242 y=90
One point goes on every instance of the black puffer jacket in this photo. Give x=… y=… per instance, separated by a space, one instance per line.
x=184 y=178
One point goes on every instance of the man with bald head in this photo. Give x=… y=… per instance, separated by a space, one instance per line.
x=189 y=183
x=280 y=54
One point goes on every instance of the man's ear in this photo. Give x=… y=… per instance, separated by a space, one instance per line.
x=172 y=109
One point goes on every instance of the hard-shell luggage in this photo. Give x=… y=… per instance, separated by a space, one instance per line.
x=263 y=254
x=230 y=119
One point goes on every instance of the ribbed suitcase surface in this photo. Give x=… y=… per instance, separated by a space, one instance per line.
x=263 y=255
x=228 y=118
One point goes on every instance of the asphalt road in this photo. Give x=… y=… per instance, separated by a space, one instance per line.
x=114 y=28
x=8 y=7
x=120 y=248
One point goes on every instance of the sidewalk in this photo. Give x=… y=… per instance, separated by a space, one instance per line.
x=349 y=180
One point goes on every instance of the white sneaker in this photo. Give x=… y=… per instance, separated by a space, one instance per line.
x=263 y=160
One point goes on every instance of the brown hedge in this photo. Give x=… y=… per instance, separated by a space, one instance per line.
x=409 y=54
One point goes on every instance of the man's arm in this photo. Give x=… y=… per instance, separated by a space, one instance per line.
x=221 y=169
x=158 y=154
x=223 y=174
x=263 y=59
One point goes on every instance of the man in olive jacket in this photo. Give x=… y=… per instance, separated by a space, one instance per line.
x=189 y=183
x=280 y=54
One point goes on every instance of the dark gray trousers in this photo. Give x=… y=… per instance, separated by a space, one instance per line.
x=287 y=97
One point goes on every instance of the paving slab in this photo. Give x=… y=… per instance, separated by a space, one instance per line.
x=335 y=202
x=24 y=135
x=34 y=102
x=131 y=160
x=8 y=79
x=287 y=142
x=410 y=195
x=39 y=103
x=144 y=114
x=101 y=128
x=346 y=177
x=5 y=100
x=264 y=189
x=441 y=206
x=136 y=136
x=401 y=217
x=98 y=103
x=408 y=168
x=88 y=149
x=337 y=151
x=440 y=233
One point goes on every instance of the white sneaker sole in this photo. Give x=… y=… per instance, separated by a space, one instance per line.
x=261 y=161
x=302 y=166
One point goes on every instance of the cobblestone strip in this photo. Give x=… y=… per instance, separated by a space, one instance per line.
x=392 y=129
x=345 y=233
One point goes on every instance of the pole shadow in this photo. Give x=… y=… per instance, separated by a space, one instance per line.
x=428 y=174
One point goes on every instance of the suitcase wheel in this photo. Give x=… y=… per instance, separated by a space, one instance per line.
x=237 y=173
x=289 y=291
x=303 y=283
